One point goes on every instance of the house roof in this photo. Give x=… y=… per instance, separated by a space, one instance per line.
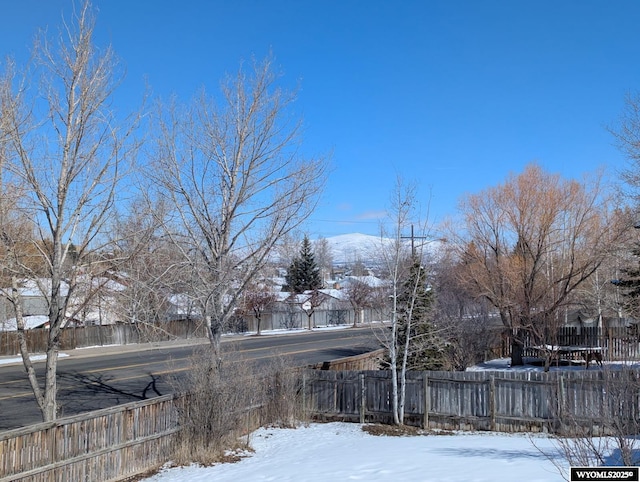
x=35 y=288
x=284 y=296
x=337 y=294
x=30 y=322
x=371 y=281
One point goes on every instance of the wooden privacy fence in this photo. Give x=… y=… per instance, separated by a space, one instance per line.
x=71 y=338
x=365 y=361
x=120 y=442
x=618 y=342
x=499 y=401
x=109 y=444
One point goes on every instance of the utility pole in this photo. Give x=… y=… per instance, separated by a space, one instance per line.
x=413 y=237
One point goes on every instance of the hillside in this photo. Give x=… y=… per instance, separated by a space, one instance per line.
x=347 y=248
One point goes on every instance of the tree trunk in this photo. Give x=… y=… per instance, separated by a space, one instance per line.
x=516 y=350
x=214 y=332
x=50 y=404
x=393 y=357
x=24 y=349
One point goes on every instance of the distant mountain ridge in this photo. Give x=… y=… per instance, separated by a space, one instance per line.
x=347 y=248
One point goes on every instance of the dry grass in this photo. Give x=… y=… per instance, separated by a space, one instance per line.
x=283 y=396
x=400 y=430
x=228 y=399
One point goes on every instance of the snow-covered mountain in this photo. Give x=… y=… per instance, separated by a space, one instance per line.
x=348 y=248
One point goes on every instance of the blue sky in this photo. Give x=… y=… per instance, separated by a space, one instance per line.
x=453 y=95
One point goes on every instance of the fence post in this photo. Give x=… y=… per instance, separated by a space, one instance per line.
x=304 y=395
x=561 y=398
x=363 y=398
x=492 y=401
x=427 y=400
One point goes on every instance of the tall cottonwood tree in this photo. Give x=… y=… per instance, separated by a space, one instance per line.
x=324 y=257
x=66 y=150
x=527 y=245
x=231 y=169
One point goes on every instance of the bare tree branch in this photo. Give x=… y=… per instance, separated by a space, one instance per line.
x=67 y=152
x=233 y=174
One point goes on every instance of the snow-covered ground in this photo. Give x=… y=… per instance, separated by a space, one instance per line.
x=18 y=359
x=343 y=452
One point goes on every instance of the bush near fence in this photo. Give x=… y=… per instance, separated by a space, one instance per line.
x=498 y=401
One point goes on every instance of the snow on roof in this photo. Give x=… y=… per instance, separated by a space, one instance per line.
x=337 y=294
x=284 y=296
x=101 y=282
x=30 y=322
x=183 y=304
x=41 y=287
x=36 y=288
x=371 y=281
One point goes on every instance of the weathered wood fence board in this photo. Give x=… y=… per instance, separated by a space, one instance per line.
x=365 y=361
x=503 y=401
x=119 y=442
x=71 y=338
x=106 y=444
x=618 y=342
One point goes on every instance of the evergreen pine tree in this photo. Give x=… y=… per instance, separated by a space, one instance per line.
x=303 y=273
x=415 y=303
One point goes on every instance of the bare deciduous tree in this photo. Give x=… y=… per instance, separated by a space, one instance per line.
x=527 y=245
x=627 y=136
x=237 y=182
x=466 y=320
x=360 y=296
x=148 y=265
x=324 y=259
x=258 y=298
x=397 y=258
x=66 y=150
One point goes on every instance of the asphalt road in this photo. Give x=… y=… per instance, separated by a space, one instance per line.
x=96 y=378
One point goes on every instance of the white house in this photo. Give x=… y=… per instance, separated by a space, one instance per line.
x=93 y=302
x=35 y=307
